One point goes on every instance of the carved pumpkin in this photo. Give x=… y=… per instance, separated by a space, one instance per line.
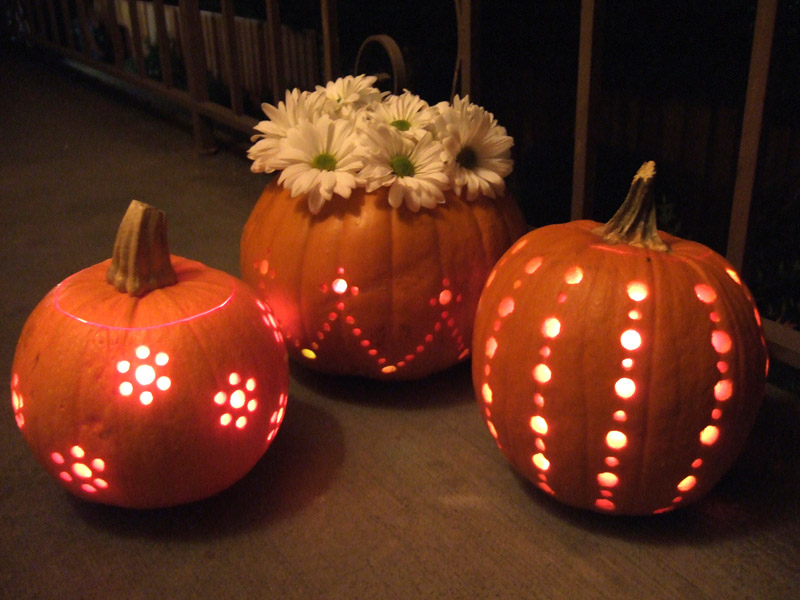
x=362 y=288
x=149 y=380
x=618 y=368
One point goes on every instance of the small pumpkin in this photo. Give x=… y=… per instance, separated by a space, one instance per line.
x=362 y=288
x=619 y=368
x=149 y=380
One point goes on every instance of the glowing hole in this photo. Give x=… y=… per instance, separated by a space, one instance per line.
x=98 y=464
x=220 y=398
x=87 y=487
x=163 y=383
x=688 y=483
x=551 y=327
x=77 y=452
x=251 y=406
x=123 y=366
x=573 y=275
x=604 y=504
x=721 y=341
x=540 y=461
x=723 y=389
x=620 y=416
x=634 y=314
x=545 y=351
x=637 y=291
x=733 y=275
x=234 y=379
x=250 y=385
x=630 y=339
x=142 y=352
x=226 y=419
x=709 y=435
x=611 y=461
x=126 y=388
x=263 y=267
x=538 y=399
x=146 y=398
x=445 y=296
x=241 y=422
x=705 y=293
x=519 y=246
x=389 y=369
x=716 y=414
x=722 y=366
x=65 y=476
x=714 y=316
x=532 y=265
x=486 y=392
x=162 y=358
x=492 y=429
x=339 y=285
x=539 y=443
x=624 y=387
x=616 y=440
x=308 y=353
x=81 y=470
x=237 y=399
x=506 y=307
x=145 y=374
x=627 y=364
x=101 y=483
x=697 y=463
x=542 y=373
x=539 y=425
x=57 y=458
x=607 y=479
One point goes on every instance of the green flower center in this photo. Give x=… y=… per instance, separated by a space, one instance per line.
x=402 y=166
x=324 y=162
x=401 y=124
x=467 y=158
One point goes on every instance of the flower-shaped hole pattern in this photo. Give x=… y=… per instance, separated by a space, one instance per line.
x=141 y=375
x=79 y=470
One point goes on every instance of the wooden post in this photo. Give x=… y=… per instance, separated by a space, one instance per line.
x=583 y=168
x=330 y=39
x=196 y=73
x=763 y=32
x=117 y=46
x=66 y=15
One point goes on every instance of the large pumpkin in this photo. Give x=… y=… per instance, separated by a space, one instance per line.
x=366 y=289
x=149 y=380
x=619 y=368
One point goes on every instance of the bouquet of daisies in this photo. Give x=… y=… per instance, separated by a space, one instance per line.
x=349 y=134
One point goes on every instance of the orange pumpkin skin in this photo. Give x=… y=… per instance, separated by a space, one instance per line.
x=122 y=399
x=617 y=378
x=365 y=289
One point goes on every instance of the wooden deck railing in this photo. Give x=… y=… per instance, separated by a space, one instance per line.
x=257 y=60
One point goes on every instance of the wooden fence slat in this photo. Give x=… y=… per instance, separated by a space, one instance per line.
x=164 y=52
x=231 y=54
x=583 y=168
x=136 y=37
x=763 y=32
x=67 y=18
x=196 y=72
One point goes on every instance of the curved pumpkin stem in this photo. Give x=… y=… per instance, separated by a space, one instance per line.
x=634 y=223
x=141 y=261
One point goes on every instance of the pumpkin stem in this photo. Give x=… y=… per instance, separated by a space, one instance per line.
x=141 y=261
x=634 y=223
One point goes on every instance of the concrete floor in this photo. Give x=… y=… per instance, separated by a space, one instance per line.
x=370 y=490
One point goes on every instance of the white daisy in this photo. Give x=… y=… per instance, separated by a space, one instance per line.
x=477 y=149
x=413 y=169
x=298 y=106
x=349 y=93
x=407 y=112
x=319 y=159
